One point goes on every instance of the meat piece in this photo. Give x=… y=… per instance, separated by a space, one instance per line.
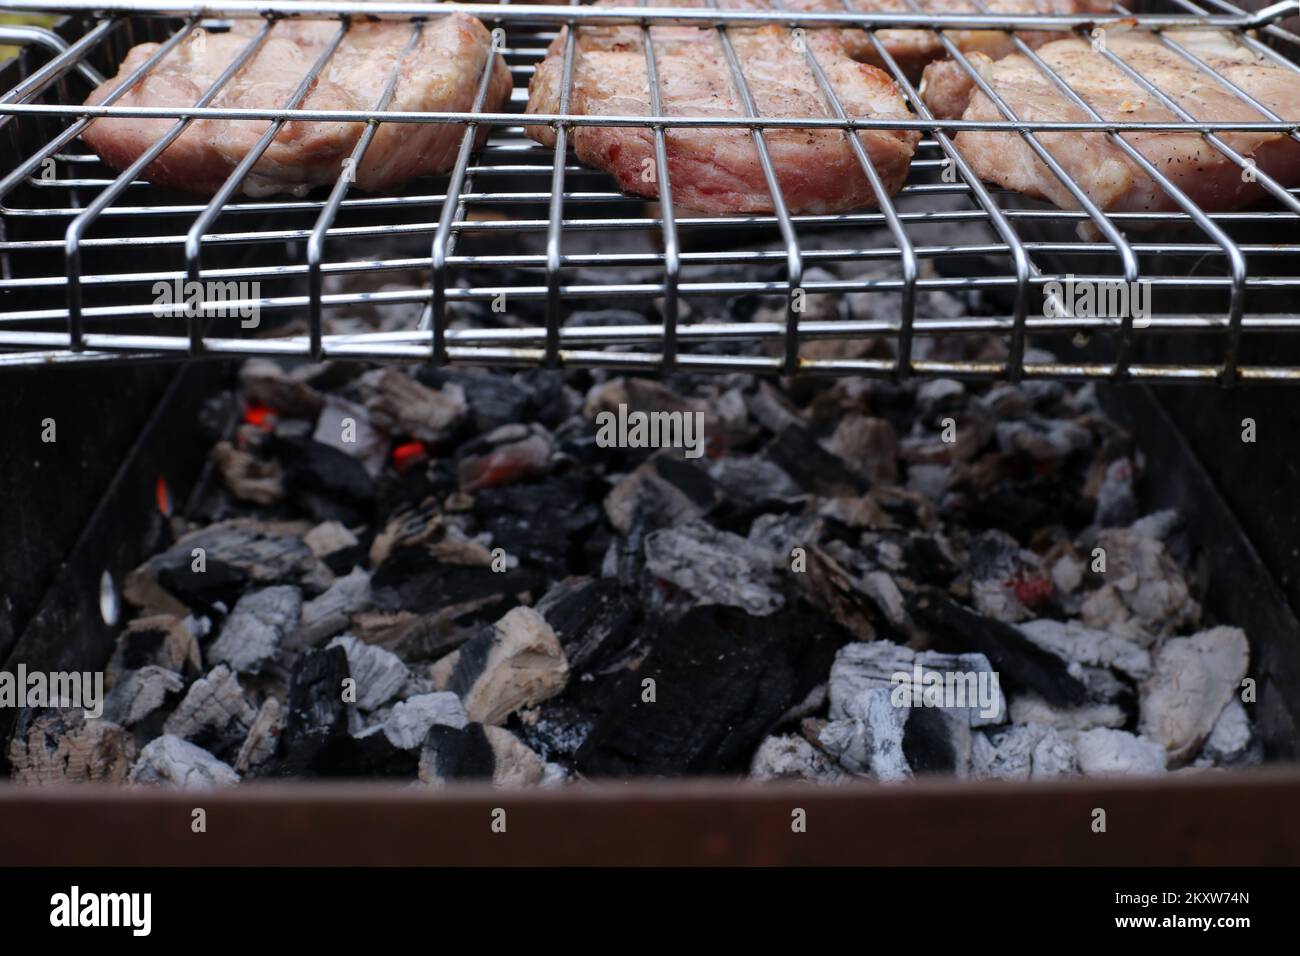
x=441 y=72
x=717 y=170
x=946 y=86
x=1109 y=177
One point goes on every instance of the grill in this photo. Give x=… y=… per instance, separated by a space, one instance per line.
x=72 y=296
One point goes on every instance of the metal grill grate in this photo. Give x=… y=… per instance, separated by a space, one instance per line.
x=83 y=247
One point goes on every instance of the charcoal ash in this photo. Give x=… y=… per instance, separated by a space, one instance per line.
x=498 y=587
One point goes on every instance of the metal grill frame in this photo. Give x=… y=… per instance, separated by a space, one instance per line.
x=25 y=340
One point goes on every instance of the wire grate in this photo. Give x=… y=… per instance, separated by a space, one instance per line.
x=84 y=248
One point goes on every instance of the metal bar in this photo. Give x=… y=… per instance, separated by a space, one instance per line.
x=672 y=261
x=57 y=67
x=39 y=36
x=556 y=211
x=77 y=228
x=452 y=209
x=194 y=238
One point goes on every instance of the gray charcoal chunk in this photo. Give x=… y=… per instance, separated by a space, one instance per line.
x=791 y=757
x=716 y=567
x=409 y=722
x=141 y=693
x=213 y=709
x=1114 y=753
x=255 y=628
x=380 y=674
x=171 y=762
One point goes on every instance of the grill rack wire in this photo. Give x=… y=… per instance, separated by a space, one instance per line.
x=73 y=333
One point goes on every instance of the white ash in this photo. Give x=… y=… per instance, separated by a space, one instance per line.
x=140 y=693
x=868 y=739
x=781 y=534
x=1029 y=708
x=169 y=761
x=263 y=735
x=1103 y=752
x=861 y=666
x=791 y=757
x=514 y=663
x=379 y=674
x=214 y=704
x=716 y=567
x=1158 y=524
x=253 y=632
x=409 y=722
x=1192 y=681
x=1022 y=752
x=1232 y=740
x=1144 y=592
x=331 y=612
x=754 y=480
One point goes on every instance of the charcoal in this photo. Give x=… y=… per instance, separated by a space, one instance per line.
x=1143 y=592
x=1116 y=498
x=328 y=537
x=172 y=762
x=379 y=674
x=400 y=405
x=723 y=678
x=813 y=467
x=936 y=741
x=52 y=746
x=256 y=627
x=754 y=483
x=592 y=618
x=868 y=737
x=716 y=567
x=248 y=477
x=214 y=714
x=517 y=662
x=1021 y=663
x=553 y=402
x=478 y=752
x=263 y=736
x=494 y=399
x=159 y=640
x=1073 y=642
x=1102 y=752
x=867 y=445
x=852 y=603
x=409 y=721
x=509 y=454
x=266 y=383
x=372 y=754
x=142 y=693
x=333 y=486
x=1029 y=708
x=917 y=679
x=1022 y=752
x=218 y=583
x=542 y=523
x=410 y=580
x=1232 y=740
x=330 y=613
x=345 y=426
x=557 y=728
x=789 y=757
x=1192 y=681
x=317 y=717
x=662 y=492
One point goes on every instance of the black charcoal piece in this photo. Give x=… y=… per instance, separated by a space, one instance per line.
x=927 y=741
x=593 y=618
x=411 y=580
x=202 y=590
x=1019 y=662
x=812 y=466
x=494 y=398
x=331 y=485
x=544 y=523
x=317 y=717
x=722 y=680
x=371 y=755
x=478 y=752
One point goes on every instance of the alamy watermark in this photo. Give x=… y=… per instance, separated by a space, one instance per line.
x=1098 y=299
x=978 y=690
x=84 y=689
x=637 y=429
x=76 y=909
x=211 y=298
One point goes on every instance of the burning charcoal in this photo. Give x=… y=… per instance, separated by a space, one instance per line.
x=1022 y=752
x=141 y=693
x=509 y=454
x=266 y=383
x=541 y=523
x=331 y=612
x=402 y=406
x=1143 y=591
x=259 y=746
x=53 y=746
x=1029 y=708
x=1116 y=499
x=867 y=445
x=171 y=762
x=1192 y=680
x=217 y=584
x=494 y=399
x=160 y=640
x=1007 y=581
x=722 y=679
x=214 y=713
x=754 y=482
x=590 y=617
x=812 y=466
x=1019 y=662
x=1112 y=753
x=961 y=682
x=248 y=477
x=1073 y=642
x=478 y=752
x=317 y=716
x=663 y=491
x=410 y=580
x=253 y=632
x=790 y=757
x=514 y=663
x=330 y=484
x=379 y=674
x=1232 y=740
x=717 y=567
x=409 y=722
x=868 y=738
x=346 y=427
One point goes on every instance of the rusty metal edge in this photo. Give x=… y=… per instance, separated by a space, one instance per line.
x=1241 y=818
